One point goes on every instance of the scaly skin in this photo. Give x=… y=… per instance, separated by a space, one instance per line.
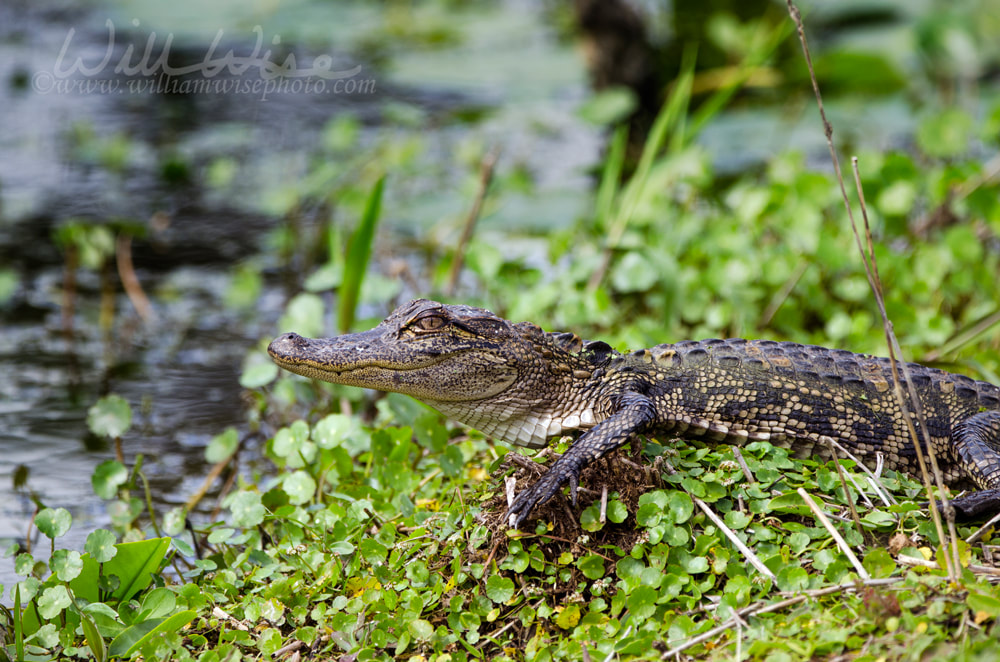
x=521 y=385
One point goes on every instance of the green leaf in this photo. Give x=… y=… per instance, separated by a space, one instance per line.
x=343 y=547
x=53 y=522
x=984 y=602
x=173 y=521
x=649 y=514
x=244 y=286
x=420 y=629
x=18 y=624
x=897 y=199
x=641 y=602
x=945 y=134
x=332 y=430
x=110 y=416
x=133 y=637
x=878 y=563
x=299 y=486
x=8 y=285
x=790 y=502
x=792 y=578
x=24 y=564
x=736 y=519
x=634 y=273
x=359 y=248
x=106 y=619
x=617 y=511
x=258 y=370
x=132 y=569
x=372 y=550
x=797 y=542
x=569 y=617
x=341 y=133
x=135 y=565
x=101 y=545
x=695 y=565
x=53 y=601
x=679 y=506
x=222 y=445
x=675 y=536
x=95 y=641
x=609 y=106
x=108 y=477
x=417 y=573
x=304 y=315
x=66 y=564
x=499 y=589
x=221 y=535
x=293 y=445
x=247 y=509
x=590 y=518
x=328 y=276
x=158 y=603
x=591 y=565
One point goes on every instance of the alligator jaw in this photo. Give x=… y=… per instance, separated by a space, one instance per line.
x=431 y=371
x=331 y=359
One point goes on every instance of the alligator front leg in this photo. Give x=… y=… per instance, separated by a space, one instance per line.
x=977 y=449
x=635 y=412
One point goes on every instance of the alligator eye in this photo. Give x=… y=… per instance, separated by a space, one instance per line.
x=429 y=323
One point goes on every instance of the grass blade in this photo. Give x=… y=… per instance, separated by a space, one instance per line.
x=611 y=175
x=359 y=249
x=18 y=630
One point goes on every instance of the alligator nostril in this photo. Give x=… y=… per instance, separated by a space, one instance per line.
x=287 y=342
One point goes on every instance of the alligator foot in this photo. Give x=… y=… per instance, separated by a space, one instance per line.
x=544 y=489
x=977 y=505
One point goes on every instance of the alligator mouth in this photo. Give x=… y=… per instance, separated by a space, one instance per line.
x=291 y=363
x=290 y=351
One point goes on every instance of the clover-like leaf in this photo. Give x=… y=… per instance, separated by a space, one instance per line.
x=111 y=416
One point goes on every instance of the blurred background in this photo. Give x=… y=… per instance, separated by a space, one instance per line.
x=179 y=182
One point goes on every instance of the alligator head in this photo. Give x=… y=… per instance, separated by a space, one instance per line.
x=512 y=381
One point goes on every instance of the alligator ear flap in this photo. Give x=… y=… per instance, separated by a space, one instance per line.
x=598 y=350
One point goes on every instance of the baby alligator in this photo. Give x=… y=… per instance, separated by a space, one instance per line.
x=522 y=385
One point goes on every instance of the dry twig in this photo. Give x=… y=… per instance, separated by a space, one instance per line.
x=828 y=525
x=738 y=454
x=485 y=177
x=983 y=530
x=126 y=271
x=746 y=551
x=847 y=490
x=873 y=479
x=760 y=608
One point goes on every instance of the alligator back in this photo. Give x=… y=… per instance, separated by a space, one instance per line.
x=794 y=395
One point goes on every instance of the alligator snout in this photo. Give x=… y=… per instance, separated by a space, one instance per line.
x=286 y=344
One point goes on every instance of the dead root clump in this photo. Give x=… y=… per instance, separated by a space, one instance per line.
x=617 y=472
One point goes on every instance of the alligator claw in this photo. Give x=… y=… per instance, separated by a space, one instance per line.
x=544 y=489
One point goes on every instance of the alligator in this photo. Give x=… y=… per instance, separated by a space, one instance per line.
x=520 y=384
